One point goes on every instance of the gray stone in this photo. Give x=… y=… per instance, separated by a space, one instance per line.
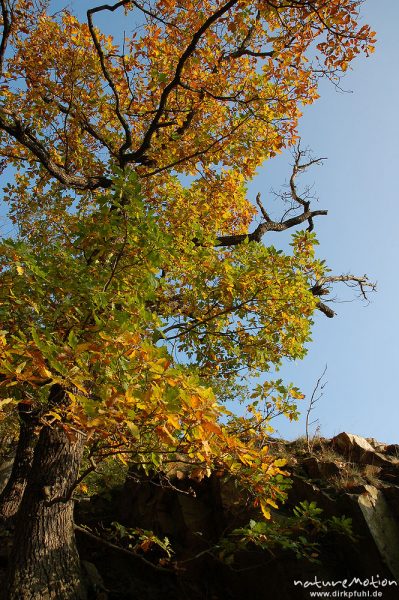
x=382 y=525
x=357 y=449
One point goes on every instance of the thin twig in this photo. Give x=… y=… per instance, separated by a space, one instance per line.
x=312 y=402
x=119 y=549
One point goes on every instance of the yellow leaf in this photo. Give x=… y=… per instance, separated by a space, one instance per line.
x=174 y=420
x=71 y=396
x=265 y=510
x=211 y=427
x=134 y=430
x=272 y=503
x=95 y=422
x=80 y=387
x=45 y=372
x=20 y=367
x=54 y=415
x=246 y=459
x=6 y=401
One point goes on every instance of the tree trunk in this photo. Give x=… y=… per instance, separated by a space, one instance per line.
x=44 y=562
x=11 y=496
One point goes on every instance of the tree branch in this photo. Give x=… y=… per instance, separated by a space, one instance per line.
x=321 y=288
x=351 y=280
x=22 y=134
x=299 y=167
x=119 y=549
x=139 y=154
x=262 y=228
x=83 y=121
x=186 y=328
x=128 y=134
x=149 y=13
x=7 y=22
x=197 y=153
x=326 y=310
x=319 y=387
x=268 y=224
x=243 y=50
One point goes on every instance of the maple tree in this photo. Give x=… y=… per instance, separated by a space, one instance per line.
x=137 y=290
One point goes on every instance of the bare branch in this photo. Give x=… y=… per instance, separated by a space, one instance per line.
x=149 y=13
x=363 y=283
x=262 y=208
x=262 y=228
x=326 y=310
x=286 y=223
x=313 y=400
x=245 y=51
x=299 y=167
x=322 y=288
x=128 y=134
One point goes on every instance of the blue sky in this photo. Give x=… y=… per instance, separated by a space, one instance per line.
x=359 y=133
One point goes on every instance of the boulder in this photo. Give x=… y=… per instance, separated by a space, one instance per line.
x=378 y=446
x=194 y=512
x=358 y=450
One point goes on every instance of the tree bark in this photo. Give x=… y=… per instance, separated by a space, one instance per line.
x=11 y=496
x=44 y=562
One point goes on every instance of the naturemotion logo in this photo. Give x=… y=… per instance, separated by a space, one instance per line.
x=347 y=588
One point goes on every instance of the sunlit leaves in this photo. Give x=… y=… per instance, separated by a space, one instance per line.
x=119 y=292
x=133 y=290
x=235 y=102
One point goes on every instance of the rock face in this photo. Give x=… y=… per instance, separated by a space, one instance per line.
x=347 y=475
x=383 y=526
x=320 y=469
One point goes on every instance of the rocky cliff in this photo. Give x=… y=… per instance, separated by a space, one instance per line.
x=347 y=475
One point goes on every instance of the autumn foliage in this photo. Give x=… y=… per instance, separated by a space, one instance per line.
x=132 y=282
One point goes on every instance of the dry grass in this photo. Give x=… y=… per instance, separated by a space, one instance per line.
x=350 y=476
